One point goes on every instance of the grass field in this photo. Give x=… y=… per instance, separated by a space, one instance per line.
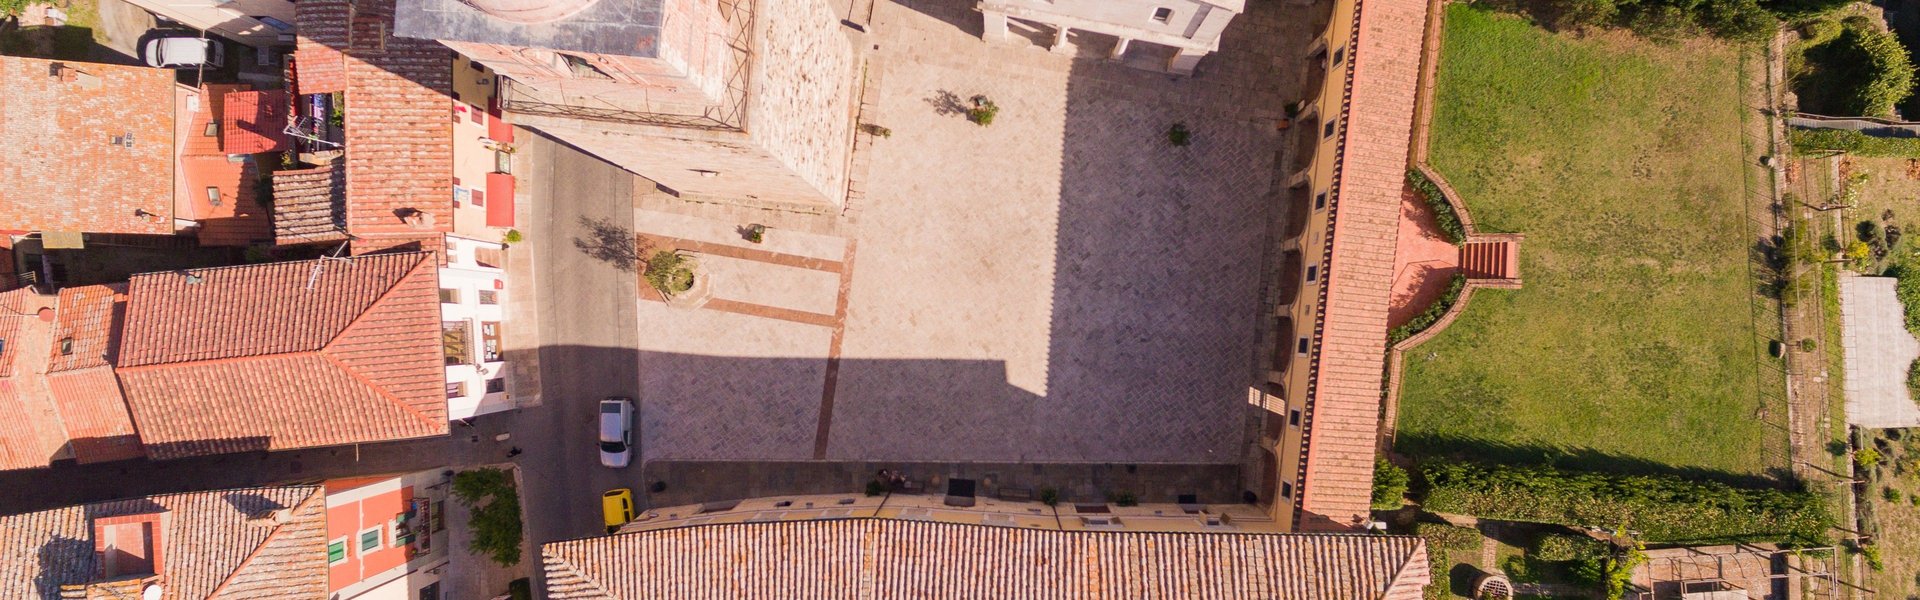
x=1633 y=344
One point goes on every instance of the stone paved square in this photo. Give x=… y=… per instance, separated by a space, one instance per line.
x=1065 y=285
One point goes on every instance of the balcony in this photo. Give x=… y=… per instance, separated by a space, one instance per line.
x=1296 y=209
x=1287 y=288
x=1282 y=344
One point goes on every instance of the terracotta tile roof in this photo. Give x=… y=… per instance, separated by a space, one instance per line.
x=194 y=140
x=1370 y=170
x=31 y=434
x=310 y=205
x=251 y=358
x=81 y=381
x=319 y=65
x=215 y=544
x=884 y=559
x=58 y=130
x=399 y=134
x=237 y=219
x=254 y=122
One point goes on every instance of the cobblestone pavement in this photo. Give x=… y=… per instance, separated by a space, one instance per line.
x=1064 y=285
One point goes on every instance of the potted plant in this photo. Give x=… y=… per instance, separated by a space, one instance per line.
x=755 y=233
x=982 y=111
x=1178 y=135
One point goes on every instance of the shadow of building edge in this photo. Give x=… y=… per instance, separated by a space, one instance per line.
x=1428 y=447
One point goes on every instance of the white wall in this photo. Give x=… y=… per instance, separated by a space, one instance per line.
x=232 y=20
x=468 y=278
x=1199 y=21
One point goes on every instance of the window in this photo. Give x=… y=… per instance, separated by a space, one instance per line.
x=212 y=130
x=456 y=389
x=1339 y=54
x=456 y=342
x=439 y=512
x=1320 y=201
x=401 y=536
x=1302 y=346
x=1286 y=489
x=1163 y=14
x=489 y=297
x=213 y=196
x=1293 y=418
x=1328 y=130
x=66 y=346
x=1313 y=273
x=370 y=540
x=489 y=341
x=495 y=386
x=449 y=296
x=337 y=551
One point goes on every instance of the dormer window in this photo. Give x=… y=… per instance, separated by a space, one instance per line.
x=1163 y=14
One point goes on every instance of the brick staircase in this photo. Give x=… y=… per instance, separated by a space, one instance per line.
x=1499 y=259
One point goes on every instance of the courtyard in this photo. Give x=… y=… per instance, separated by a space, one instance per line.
x=1639 y=340
x=1065 y=285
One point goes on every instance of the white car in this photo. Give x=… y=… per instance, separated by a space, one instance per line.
x=184 y=53
x=616 y=432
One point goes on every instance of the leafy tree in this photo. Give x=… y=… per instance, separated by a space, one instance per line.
x=1389 y=484
x=490 y=496
x=1863 y=71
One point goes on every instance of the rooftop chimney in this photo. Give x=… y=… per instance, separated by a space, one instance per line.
x=129 y=545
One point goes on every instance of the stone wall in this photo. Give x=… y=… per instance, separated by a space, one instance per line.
x=800 y=102
x=675 y=157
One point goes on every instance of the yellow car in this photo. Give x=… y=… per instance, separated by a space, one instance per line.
x=617 y=504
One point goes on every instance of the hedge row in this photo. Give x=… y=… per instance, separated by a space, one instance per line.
x=1816 y=141
x=1664 y=509
x=1431 y=315
x=1442 y=210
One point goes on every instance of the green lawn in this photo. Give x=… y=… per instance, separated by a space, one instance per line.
x=1634 y=341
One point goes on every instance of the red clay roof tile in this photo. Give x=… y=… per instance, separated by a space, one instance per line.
x=1344 y=415
x=252 y=358
x=254 y=122
x=59 y=121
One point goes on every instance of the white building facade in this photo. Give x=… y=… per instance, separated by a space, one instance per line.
x=1190 y=28
x=473 y=295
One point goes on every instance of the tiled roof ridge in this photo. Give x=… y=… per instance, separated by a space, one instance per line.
x=1299 y=535
x=202 y=362
x=580 y=578
x=258 y=265
x=317 y=495
x=378 y=389
x=423 y=258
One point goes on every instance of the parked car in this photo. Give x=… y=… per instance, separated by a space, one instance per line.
x=616 y=432
x=617 y=506
x=184 y=53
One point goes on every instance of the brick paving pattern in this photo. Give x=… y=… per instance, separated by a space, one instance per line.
x=1062 y=286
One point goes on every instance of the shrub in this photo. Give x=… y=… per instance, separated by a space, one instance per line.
x=1863 y=71
x=1819 y=31
x=1866 y=459
x=1389 y=484
x=1123 y=499
x=1443 y=214
x=1050 y=496
x=495 y=506
x=875 y=488
x=1821 y=141
x=667 y=272
x=983 y=111
x=1913 y=379
x=1560 y=547
x=1178 y=135
x=1808 y=345
x=1799 y=10
x=1611 y=572
x=1907 y=289
x=1662 y=23
x=1578 y=14
x=876 y=130
x=1738 y=20
x=1889 y=494
x=1431 y=315
x=1664 y=508
x=1872 y=554
x=512 y=237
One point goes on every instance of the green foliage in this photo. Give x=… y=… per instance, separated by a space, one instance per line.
x=983 y=111
x=1863 y=71
x=1866 y=459
x=1889 y=494
x=1389 y=484
x=520 y=589
x=1559 y=547
x=1907 y=288
x=1738 y=20
x=490 y=496
x=668 y=272
x=1443 y=214
x=1123 y=499
x=875 y=488
x=1820 y=31
x=13 y=8
x=876 y=130
x=1050 y=496
x=1800 y=10
x=1662 y=22
x=1664 y=508
x=1913 y=379
x=1872 y=554
x=1610 y=572
x=1446 y=545
x=1824 y=141
x=1431 y=315
x=1178 y=135
x=512 y=236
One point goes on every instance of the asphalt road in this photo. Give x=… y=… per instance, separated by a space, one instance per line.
x=582 y=237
